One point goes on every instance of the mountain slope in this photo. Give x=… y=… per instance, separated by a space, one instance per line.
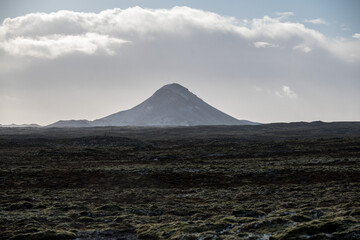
x=171 y=105
x=32 y=125
x=71 y=123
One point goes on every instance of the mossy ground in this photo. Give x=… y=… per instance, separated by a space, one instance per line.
x=201 y=183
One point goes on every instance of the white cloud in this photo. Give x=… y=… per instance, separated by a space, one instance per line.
x=274 y=29
x=64 y=32
x=136 y=20
x=53 y=46
x=315 y=21
x=303 y=48
x=286 y=92
x=264 y=45
x=356 y=35
x=348 y=51
x=284 y=15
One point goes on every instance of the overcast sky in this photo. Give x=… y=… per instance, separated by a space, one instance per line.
x=264 y=61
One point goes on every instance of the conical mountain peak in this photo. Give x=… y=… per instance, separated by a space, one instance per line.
x=175 y=87
x=171 y=105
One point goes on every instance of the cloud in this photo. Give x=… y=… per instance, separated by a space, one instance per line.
x=264 y=45
x=315 y=21
x=57 y=45
x=129 y=22
x=52 y=35
x=356 y=35
x=303 y=48
x=286 y=92
x=284 y=15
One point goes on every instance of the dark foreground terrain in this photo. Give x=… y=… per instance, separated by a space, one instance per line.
x=276 y=181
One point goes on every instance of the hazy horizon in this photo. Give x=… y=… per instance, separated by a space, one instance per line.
x=278 y=62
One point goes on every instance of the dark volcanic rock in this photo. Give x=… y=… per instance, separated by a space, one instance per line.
x=247 y=213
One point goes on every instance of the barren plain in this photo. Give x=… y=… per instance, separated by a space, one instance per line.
x=271 y=181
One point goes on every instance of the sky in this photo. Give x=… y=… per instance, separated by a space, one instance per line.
x=264 y=61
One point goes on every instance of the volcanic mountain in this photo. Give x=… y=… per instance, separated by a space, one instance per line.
x=171 y=105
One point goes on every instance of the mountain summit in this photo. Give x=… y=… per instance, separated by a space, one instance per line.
x=171 y=105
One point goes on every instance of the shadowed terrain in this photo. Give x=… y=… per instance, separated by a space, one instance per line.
x=272 y=181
